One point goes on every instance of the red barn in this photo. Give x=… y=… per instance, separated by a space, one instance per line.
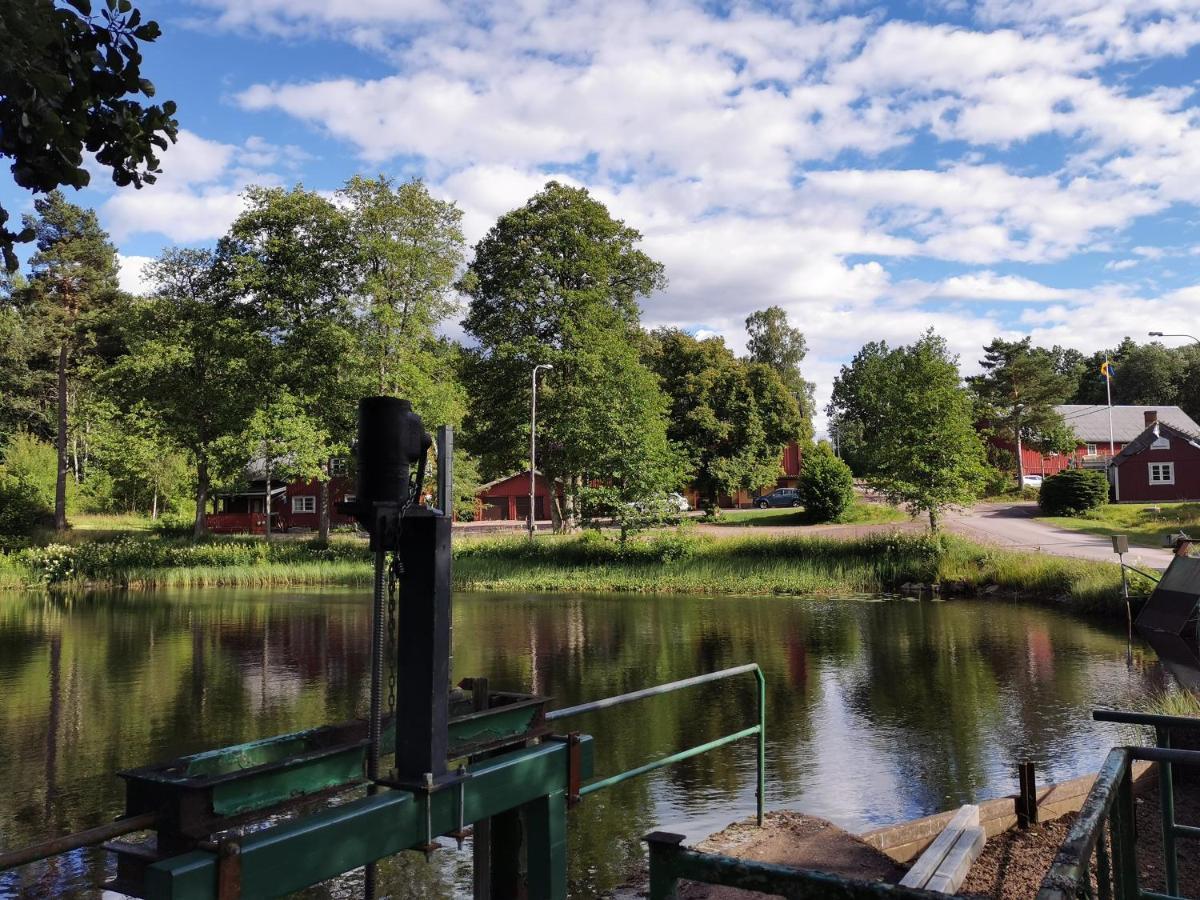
x=1162 y=464
x=507 y=499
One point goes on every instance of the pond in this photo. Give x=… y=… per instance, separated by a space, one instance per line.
x=879 y=709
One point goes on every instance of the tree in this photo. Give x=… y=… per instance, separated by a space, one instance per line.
x=192 y=361
x=854 y=408
x=26 y=375
x=775 y=343
x=73 y=284
x=285 y=442
x=926 y=451
x=732 y=418
x=1018 y=391
x=134 y=466
x=826 y=485
x=66 y=82
x=292 y=260
x=557 y=281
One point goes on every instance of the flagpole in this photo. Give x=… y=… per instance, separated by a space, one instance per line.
x=1108 y=387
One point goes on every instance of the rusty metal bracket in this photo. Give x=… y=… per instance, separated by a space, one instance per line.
x=574 y=765
x=229 y=866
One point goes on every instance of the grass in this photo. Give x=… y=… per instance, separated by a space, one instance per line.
x=1174 y=703
x=1144 y=527
x=663 y=562
x=859 y=513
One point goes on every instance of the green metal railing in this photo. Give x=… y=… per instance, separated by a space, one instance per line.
x=1101 y=848
x=670 y=862
x=760 y=729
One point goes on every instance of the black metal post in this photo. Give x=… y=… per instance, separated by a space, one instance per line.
x=1027 y=805
x=423 y=647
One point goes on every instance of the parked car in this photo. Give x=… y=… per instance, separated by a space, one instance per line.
x=1031 y=481
x=679 y=501
x=671 y=501
x=778 y=497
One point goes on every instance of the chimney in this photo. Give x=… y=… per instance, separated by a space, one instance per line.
x=1151 y=416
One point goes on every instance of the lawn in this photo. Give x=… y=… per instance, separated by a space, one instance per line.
x=1144 y=526
x=859 y=513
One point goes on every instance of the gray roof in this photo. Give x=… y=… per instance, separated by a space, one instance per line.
x=1090 y=422
x=1150 y=435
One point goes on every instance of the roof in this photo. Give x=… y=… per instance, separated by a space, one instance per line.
x=1090 y=421
x=1150 y=435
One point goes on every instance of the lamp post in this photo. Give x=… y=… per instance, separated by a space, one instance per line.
x=1188 y=336
x=533 y=445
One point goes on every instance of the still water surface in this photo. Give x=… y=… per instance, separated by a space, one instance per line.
x=878 y=709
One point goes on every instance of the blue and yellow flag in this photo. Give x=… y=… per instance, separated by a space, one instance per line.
x=1107 y=370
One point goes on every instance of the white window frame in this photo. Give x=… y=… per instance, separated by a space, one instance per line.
x=1161 y=443
x=349 y=498
x=305 y=503
x=1165 y=468
x=1089 y=450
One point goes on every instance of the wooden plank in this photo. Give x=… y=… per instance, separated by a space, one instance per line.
x=952 y=871
x=927 y=865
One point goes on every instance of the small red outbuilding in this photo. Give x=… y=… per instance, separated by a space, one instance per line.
x=1162 y=464
x=508 y=499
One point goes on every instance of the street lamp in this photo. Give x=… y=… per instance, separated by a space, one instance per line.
x=533 y=445
x=1188 y=336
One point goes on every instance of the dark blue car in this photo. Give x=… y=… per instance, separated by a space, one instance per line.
x=778 y=497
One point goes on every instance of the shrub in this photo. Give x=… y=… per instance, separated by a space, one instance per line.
x=22 y=505
x=826 y=485
x=1073 y=492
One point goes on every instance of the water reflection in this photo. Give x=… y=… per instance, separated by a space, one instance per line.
x=878 y=711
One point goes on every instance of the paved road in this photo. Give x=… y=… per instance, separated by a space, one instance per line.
x=1012 y=525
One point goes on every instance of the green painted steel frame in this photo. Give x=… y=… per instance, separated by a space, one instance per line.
x=1108 y=819
x=670 y=862
x=760 y=729
x=311 y=849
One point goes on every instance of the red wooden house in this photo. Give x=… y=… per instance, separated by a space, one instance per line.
x=507 y=499
x=1162 y=464
x=294 y=504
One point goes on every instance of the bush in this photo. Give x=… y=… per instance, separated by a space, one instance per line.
x=826 y=485
x=1073 y=492
x=22 y=506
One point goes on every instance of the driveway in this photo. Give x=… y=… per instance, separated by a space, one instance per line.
x=1013 y=526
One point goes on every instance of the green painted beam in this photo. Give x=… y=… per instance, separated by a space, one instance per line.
x=317 y=847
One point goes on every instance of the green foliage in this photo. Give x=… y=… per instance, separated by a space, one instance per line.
x=133 y=466
x=1017 y=393
x=923 y=450
x=773 y=342
x=1072 y=492
x=34 y=464
x=557 y=281
x=67 y=79
x=826 y=484
x=855 y=411
x=732 y=418
x=23 y=505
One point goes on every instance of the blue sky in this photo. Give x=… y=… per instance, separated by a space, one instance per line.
x=1003 y=167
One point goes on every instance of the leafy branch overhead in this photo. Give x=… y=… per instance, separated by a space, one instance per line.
x=69 y=76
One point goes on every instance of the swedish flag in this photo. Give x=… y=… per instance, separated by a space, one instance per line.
x=1107 y=370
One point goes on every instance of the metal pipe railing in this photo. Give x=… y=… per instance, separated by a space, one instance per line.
x=77 y=840
x=760 y=729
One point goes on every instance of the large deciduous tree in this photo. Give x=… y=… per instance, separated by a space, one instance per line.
x=73 y=284
x=558 y=281
x=292 y=260
x=925 y=451
x=193 y=359
x=731 y=417
x=773 y=342
x=855 y=411
x=1018 y=390
x=68 y=79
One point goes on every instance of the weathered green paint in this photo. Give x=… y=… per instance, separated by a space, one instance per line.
x=277 y=784
x=314 y=848
x=670 y=862
x=492 y=726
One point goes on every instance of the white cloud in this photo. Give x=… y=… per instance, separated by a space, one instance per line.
x=988 y=285
x=132 y=275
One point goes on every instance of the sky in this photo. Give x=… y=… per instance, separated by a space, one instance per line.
x=1006 y=167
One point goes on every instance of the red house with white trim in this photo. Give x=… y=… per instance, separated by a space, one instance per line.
x=294 y=504
x=1161 y=465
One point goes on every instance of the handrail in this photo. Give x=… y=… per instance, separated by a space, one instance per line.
x=1128 y=717
x=760 y=729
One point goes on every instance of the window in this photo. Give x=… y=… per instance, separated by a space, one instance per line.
x=1162 y=473
x=1091 y=450
x=306 y=504
x=1161 y=443
x=337 y=466
x=349 y=498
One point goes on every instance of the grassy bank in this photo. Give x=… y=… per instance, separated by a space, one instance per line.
x=1144 y=526
x=665 y=562
x=859 y=513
